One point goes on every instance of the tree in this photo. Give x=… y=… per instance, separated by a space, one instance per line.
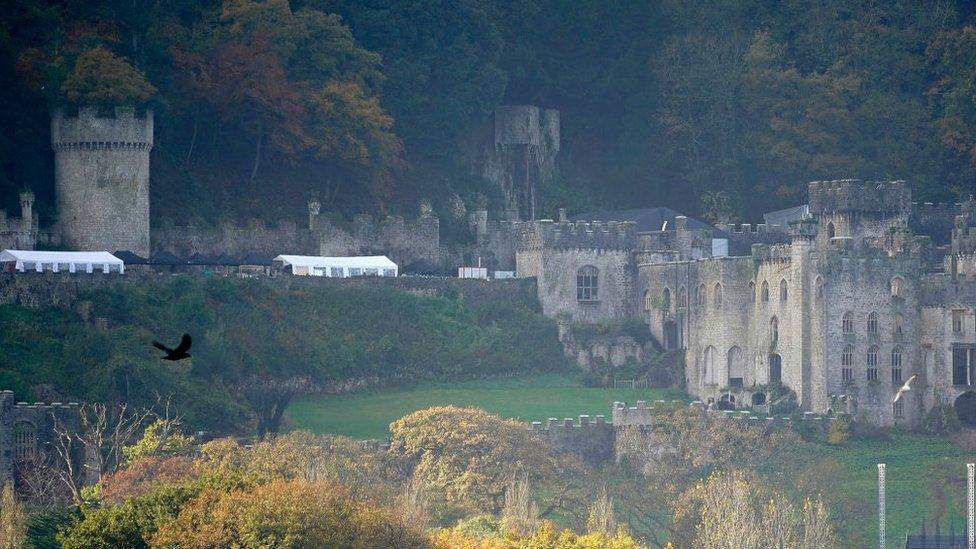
x=13 y=518
x=466 y=459
x=734 y=509
x=101 y=78
x=286 y=513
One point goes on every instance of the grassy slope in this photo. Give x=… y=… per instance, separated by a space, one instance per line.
x=242 y=328
x=367 y=415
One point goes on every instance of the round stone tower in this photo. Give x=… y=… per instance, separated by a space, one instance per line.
x=102 y=179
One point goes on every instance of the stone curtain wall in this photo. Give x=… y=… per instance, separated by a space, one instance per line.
x=41 y=418
x=235 y=240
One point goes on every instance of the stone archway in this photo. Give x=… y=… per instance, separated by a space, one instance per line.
x=726 y=402
x=758 y=399
x=965 y=407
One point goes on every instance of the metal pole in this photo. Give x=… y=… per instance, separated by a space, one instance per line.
x=881 y=505
x=970 y=473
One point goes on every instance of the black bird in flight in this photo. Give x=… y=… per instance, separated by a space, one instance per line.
x=179 y=353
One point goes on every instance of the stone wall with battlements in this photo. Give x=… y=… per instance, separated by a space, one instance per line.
x=28 y=429
x=102 y=178
x=864 y=197
x=590 y=440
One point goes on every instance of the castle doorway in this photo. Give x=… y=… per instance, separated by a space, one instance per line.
x=726 y=402
x=758 y=399
x=670 y=336
x=775 y=368
x=965 y=407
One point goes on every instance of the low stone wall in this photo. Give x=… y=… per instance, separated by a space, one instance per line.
x=39 y=290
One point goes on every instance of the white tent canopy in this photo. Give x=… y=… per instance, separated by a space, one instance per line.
x=71 y=262
x=339 y=267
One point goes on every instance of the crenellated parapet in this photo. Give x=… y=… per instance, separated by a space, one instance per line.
x=857 y=196
x=776 y=253
x=596 y=235
x=93 y=129
x=29 y=429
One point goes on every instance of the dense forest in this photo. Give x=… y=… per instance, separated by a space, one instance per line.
x=718 y=108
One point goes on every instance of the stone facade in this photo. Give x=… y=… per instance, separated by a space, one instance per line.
x=20 y=233
x=27 y=432
x=102 y=179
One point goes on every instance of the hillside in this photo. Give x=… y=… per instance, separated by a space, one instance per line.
x=718 y=110
x=249 y=337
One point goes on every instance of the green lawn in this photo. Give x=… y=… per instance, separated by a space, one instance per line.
x=368 y=414
x=913 y=462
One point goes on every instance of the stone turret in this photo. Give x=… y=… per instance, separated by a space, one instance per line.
x=102 y=178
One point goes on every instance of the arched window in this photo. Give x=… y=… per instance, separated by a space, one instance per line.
x=847 y=323
x=752 y=290
x=587 y=283
x=873 y=323
x=873 y=363
x=25 y=440
x=682 y=297
x=899 y=331
x=717 y=295
x=830 y=230
x=773 y=330
x=666 y=299
x=736 y=367
x=701 y=295
x=764 y=291
x=708 y=364
x=782 y=290
x=897 y=286
x=846 y=362
x=775 y=368
x=819 y=288
x=647 y=301
x=896 y=365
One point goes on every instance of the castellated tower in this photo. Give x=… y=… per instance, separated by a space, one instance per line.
x=102 y=179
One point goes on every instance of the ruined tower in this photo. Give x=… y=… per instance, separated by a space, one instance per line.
x=522 y=157
x=102 y=178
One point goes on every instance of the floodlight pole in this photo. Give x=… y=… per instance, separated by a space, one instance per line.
x=970 y=474
x=881 y=505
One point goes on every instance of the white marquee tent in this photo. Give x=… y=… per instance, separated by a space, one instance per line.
x=68 y=262
x=338 y=267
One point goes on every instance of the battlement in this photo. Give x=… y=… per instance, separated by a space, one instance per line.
x=856 y=196
x=599 y=235
x=584 y=422
x=749 y=228
x=7 y=404
x=92 y=130
x=775 y=252
x=643 y=415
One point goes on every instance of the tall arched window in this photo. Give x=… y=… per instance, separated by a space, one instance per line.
x=708 y=364
x=775 y=368
x=764 y=292
x=873 y=323
x=666 y=299
x=847 y=323
x=717 y=295
x=846 y=362
x=898 y=332
x=701 y=296
x=648 y=305
x=819 y=288
x=782 y=290
x=736 y=367
x=587 y=283
x=897 y=286
x=896 y=365
x=25 y=440
x=831 y=232
x=682 y=297
x=873 y=363
x=773 y=330
x=752 y=290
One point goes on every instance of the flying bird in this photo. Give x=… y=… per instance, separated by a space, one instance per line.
x=904 y=388
x=179 y=353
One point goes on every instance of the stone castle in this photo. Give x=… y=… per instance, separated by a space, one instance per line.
x=28 y=436
x=841 y=306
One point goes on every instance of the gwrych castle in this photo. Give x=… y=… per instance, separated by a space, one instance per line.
x=840 y=300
